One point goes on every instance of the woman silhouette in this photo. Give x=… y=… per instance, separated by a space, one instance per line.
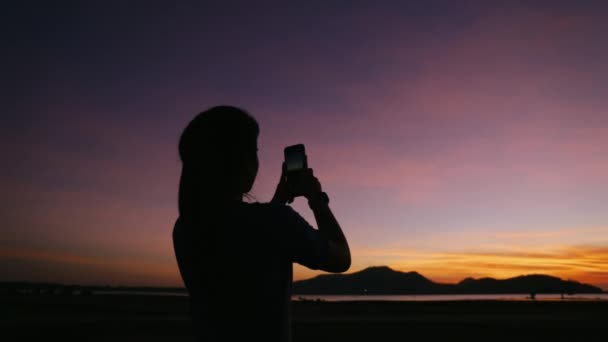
x=235 y=258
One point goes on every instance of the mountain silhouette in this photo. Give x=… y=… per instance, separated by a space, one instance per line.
x=373 y=280
x=383 y=280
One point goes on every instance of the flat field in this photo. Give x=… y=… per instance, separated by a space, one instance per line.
x=165 y=318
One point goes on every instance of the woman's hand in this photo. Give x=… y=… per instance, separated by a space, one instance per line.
x=308 y=185
x=283 y=192
x=304 y=183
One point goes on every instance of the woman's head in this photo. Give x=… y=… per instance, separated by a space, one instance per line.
x=218 y=150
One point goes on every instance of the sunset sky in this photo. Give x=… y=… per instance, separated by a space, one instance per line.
x=454 y=138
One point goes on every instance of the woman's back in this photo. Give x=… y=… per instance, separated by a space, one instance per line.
x=238 y=269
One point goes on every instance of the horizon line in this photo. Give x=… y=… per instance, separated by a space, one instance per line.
x=603 y=287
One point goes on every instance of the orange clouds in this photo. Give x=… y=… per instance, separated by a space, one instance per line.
x=582 y=263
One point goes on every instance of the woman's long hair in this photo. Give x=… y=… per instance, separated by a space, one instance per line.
x=218 y=150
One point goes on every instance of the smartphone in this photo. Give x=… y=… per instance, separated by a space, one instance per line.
x=295 y=158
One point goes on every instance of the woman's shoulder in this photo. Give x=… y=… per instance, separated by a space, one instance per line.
x=269 y=210
x=270 y=206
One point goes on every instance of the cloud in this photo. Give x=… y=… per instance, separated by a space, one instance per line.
x=54 y=266
x=494 y=108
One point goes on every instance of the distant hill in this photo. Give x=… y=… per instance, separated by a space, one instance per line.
x=383 y=280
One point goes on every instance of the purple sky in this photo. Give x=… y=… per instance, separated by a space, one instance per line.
x=455 y=138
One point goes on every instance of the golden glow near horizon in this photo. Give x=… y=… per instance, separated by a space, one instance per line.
x=586 y=264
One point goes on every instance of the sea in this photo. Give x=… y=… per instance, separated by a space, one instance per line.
x=460 y=297
x=401 y=298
